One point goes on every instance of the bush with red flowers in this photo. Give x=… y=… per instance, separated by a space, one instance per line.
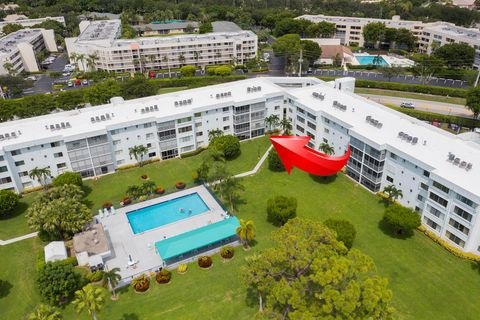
x=159 y=190
x=144 y=177
x=180 y=185
x=107 y=205
x=205 y=262
x=163 y=276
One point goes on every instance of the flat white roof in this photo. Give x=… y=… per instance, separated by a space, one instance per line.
x=339 y=19
x=456 y=32
x=8 y=44
x=438 y=142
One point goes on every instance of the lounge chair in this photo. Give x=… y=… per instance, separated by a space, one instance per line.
x=107 y=213
x=113 y=210
x=100 y=213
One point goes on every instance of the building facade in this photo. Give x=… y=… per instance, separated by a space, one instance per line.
x=28 y=23
x=101 y=39
x=17 y=49
x=438 y=172
x=430 y=35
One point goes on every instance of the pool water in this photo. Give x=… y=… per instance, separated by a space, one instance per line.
x=166 y=212
x=366 y=60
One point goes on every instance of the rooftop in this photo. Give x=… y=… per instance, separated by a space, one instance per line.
x=93 y=241
x=9 y=43
x=395 y=21
x=225 y=26
x=101 y=30
x=453 y=31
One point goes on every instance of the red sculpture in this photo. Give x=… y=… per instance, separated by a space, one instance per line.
x=293 y=152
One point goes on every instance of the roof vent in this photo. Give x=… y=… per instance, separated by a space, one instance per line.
x=456 y=161
x=469 y=166
x=463 y=164
x=451 y=156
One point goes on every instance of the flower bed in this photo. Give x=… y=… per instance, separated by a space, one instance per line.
x=144 y=177
x=227 y=252
x=205 y=262
x=180 y=185
x=163 y=276
x=160 y=190
x=182 y=269
x=141 y=283
x=125 y=201
x=107 y=205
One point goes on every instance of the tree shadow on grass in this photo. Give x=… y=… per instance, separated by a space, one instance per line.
x=476 y=266
x=323 y=179
x=251 y=298
x=129 y=316
x=19 y=210
x=389 y=231
x=5 y=287
x=384 y=202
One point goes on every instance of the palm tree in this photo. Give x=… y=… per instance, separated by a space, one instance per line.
x=246 y=232
x=286 y=126
x=40 y=174
x=167 y=61
x=393 y=193
x=111 y=279
x=89 y=299
x=327 y=149
x=91 y=61
x=196 y=56
x=45 y=312
x=74 y=57
x=181 y=58
x=138 y=152
x=272 y=121
x=214 y=133
x=377 y=60
x=9 y=68
x=81 y=58
x=228 y=189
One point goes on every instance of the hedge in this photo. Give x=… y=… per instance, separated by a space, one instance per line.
x=193 y=153
x=417 y=88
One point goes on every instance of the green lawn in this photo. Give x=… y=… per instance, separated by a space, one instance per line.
x=16 y=224
x=411 y=95
x=427 y=281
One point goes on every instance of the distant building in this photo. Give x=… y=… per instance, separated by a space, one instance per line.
x=167 y=28
x=331 y=49
x=17 y=50
x=99 y=16
x=28 y=23
x=9 y=6
x=14 y=17
x=465 y=4
x=430 y=35
x=102 y=38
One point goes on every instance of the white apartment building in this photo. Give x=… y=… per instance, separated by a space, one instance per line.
x=17 y=49
x=102 y=39
x=28 y=23
x=438 y=172
x=430 y=35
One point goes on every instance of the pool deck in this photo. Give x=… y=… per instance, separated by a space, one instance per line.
x=141 y=246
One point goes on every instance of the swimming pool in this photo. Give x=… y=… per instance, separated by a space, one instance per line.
x=166 y=212
x=367 y=59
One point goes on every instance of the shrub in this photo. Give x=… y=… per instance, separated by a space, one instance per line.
x=163 y=276
x=57 y=282
x=70 y=261
x=188 y=71
x=68 y=178
x=227 y=252
x=40 y=262
x=160 y=190
x=401 y=219
x=274 y=162
x=182 y=269
x=430 y=116
x=144 y=177
x=193 y=153
x=142 y=198
x=8 y=202
x=205 y=262
x=148 y=187
x=345 y=230
x=126 y=201
x=195 y=175
x=141 y=283
x=280 y=209
x=107 y=205
x=223 y=71
x=180 y=185
x=95 y=276
x=229 y=145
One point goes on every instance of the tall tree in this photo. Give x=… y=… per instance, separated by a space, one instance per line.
x=391 y=71
x=456 y=55
x=92 y=61
x=426 y=66
x=246 y=232
x=229 y=188
x=11 y=27
x=393 y=193
x=374 y=32
x=110 y=280
x=405 y=39
x=322 y=29
x=311 y=51
x=89 y=299
x=272 y=121
x=473 y=101
x=138 y=152
x=288 y=47
x=327 y=149
x=309 y=274
x=286 y=126
x=41 y=175
x=401 y=219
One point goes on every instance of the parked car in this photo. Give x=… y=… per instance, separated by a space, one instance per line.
x=85 y=82
x=31 y=78
x=65 y=73
x=70 y=84
x=407 y=105
x=78 y=82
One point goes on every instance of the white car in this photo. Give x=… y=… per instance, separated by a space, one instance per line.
x=32 y=78
x=407 y=105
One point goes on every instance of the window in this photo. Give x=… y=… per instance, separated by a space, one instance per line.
x=149 y=145
x=23 y=174
x=149 y=136
x=467 y=201
x=19 y=163
x=147 y=125
x=187 y=148
x=58 y=155
x=424 y=186
x=119 y=162
x=300 y=129
x=326 y=130
x=277 y=108
x=311 y=125
x=187 y=119
x=199 y=133
x=457 y=225
x=300 y=110
x=438 y=199
x=226 y=128
x=5 y=180
x=420 y=198
x=389 y=179
x=3 y=169
x=426 y=173
x=16 y=152
x=226 y=118
x=300 y=119
x=455 y=239
x=462 y=213
x=225 y=109
x=437 y=213
x=393 y=156
x=431 y=224
x=440 y=186
x=186 y=139
x=55 y=144
x=118 y=152
x=198 y=125
x=185 y=129
x=61 y=165
x=197 y=114
x=115 y=142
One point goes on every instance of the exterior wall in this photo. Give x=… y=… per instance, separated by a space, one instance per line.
x=28 y=56
x=49 y=40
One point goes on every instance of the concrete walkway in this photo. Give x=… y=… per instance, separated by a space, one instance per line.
x=26 y=236
x=240 y=175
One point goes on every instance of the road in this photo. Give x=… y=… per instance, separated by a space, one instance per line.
x=424 y=105
x=44 y=83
